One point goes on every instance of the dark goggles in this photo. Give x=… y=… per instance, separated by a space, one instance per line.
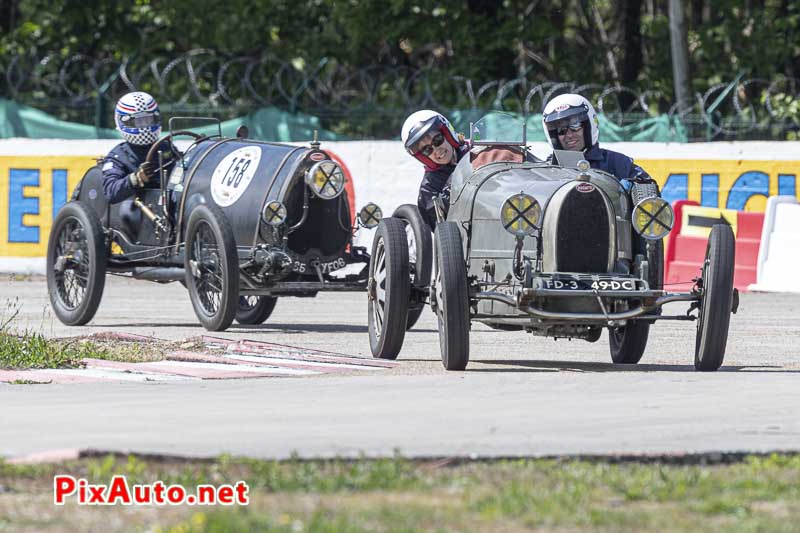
x=141 y=120
x=427 y=150
x=575 y=126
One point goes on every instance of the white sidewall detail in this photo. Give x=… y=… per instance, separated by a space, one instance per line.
x=234 y=174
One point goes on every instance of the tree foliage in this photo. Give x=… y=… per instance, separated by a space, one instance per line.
x=601 y=42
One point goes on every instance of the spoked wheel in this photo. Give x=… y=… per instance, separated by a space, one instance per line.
x=388 y=289
x=76 y=264
x=717 y=299
x=254 y=309
x=418 y=236
x=452 y=300
x=212 y=267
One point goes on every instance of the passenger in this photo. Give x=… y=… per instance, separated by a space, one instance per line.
x=571 y=124
x=124 y=168
x=429 y=137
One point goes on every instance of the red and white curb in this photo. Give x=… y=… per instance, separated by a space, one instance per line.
x=242 y=359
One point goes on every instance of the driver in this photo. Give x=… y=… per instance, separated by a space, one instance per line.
x=124 y=168
x=429 y=137
x=571 y=124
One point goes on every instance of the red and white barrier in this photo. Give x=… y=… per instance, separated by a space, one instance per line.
x=780 y=247
x=686 y=244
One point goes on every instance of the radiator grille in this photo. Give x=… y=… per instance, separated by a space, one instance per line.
x=582 y=241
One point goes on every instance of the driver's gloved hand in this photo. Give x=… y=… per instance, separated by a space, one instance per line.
x=143 y=174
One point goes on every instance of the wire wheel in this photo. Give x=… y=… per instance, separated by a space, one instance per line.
x=205 y=255
x=212 y=273
x=76 y=264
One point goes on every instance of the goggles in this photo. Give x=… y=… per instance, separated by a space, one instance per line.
x=427 y=150
x=140 y=120
x=575 y=126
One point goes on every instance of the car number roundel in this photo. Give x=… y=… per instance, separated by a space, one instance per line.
x=234 y=174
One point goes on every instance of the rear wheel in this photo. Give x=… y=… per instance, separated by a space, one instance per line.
x=212 y=267
x=628 y=342
x=254 y=309
x=388 y=289
x=717 y=299
x=452 y=300
x=76 y=264
x=418 y=236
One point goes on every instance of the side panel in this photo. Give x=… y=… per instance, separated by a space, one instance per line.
x=238 y=176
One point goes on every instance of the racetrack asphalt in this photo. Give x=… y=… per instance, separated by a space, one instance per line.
x=520 y=396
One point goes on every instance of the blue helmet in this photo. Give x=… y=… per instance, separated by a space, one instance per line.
x=137 y=118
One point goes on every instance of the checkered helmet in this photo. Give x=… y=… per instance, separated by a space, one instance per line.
x=137 y=118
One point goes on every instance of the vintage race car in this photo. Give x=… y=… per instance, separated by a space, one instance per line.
x=559 y=250
x=239 y=222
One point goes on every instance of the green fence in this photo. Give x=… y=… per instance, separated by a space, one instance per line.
x=272 y=124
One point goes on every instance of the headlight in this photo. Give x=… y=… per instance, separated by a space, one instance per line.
x=653 y=218
x=325 y=179
x=370 y=215
x=521 y=214
x=274 y=213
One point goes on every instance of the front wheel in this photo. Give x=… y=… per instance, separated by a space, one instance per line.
x=388 y=289
x=452 y=300
x=717 y=299
x=212 y=267
x=253 y=310
x=76 y=264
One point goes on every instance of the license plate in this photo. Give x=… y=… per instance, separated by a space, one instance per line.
x=565 y=283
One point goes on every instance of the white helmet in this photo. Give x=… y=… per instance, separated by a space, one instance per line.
x=137 y=118
x=567 y=109
x=418 y=125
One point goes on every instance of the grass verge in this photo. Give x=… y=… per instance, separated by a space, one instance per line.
x=756 y=494
x=33 y=350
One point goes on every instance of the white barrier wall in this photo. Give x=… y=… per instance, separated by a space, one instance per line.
x=36 y=177
x=779 y=253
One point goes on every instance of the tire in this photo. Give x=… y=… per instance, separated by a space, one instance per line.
x=420 y=250
x=627 y=343
x=253 y=310
x=452 y=303
x=388 y=290
x=717 y=299
x=212 y=267
x=76 y=264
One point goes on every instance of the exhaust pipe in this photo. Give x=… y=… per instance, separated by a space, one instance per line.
x=159 y=273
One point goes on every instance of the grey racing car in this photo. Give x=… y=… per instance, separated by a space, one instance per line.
x=556 y=249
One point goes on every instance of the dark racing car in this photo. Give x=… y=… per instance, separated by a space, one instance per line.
x=239 y=222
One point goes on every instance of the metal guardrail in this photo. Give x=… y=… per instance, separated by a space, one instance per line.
x=80 y=88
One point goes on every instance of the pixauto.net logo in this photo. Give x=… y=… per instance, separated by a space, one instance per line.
x=119 y=492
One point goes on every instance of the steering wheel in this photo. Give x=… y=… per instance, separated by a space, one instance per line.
x=151 y=153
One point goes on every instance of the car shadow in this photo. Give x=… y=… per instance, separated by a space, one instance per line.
x=145 y=325
x=539 y=366
x=299 y=328
x=266 y=327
